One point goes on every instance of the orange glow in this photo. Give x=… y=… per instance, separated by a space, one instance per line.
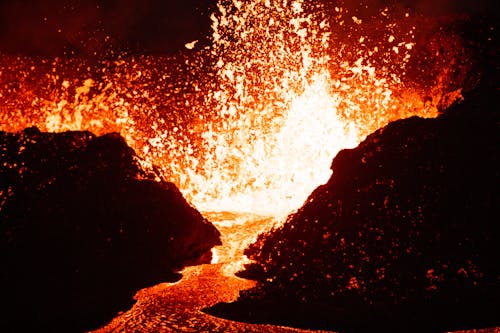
x=248 y=124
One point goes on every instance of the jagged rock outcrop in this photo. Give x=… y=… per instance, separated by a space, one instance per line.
x=403 y=237
x=83 y=227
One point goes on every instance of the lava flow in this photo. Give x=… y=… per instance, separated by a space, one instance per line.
x=251 y=122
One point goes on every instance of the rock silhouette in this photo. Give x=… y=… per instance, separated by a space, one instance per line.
x=83 y=227
x=403 y=237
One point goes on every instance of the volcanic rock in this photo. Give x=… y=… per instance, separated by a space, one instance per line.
x=403 y=237
x=83 y=227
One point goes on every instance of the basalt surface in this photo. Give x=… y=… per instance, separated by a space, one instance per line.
x=403 y=237
x=83 y=227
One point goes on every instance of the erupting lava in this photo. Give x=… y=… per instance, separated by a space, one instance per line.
x=251 y=122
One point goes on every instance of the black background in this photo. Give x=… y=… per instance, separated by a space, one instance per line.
x=48 y=27
x=56 y=27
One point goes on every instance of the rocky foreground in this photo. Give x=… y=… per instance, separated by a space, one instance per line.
x=403 y=237
x=83 y=228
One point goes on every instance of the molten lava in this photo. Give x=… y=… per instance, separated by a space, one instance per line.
x=251 y=122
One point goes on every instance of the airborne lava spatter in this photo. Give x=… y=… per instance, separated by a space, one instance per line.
x=250 y=123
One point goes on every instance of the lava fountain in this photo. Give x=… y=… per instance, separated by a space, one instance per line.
x=251 y=122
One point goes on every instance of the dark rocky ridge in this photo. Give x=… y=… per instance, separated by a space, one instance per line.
x=83 y=227
x=403 y=237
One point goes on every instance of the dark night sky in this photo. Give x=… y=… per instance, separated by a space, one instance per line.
x=48 y=27
x=53 y=26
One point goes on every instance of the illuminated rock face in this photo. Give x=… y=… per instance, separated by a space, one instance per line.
x=404 y=235
x=83 y=228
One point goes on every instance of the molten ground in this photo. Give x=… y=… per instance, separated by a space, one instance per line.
x=177 y=307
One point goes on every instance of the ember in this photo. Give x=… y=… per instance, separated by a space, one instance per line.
x=237 y=124
x=251 y=122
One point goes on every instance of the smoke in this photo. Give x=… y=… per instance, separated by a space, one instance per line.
x=54 y=27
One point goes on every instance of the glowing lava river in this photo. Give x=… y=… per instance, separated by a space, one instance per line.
x=177 y=307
